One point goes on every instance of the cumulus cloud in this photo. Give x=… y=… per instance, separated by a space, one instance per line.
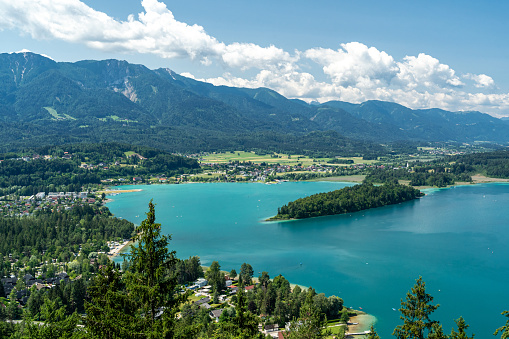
x=481 y=80
x=426 y=71
x=355 y=65
x=245 y=56
x=354 y=72
x=154 y=31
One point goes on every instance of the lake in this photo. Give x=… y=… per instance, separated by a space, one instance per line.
x=456 y=239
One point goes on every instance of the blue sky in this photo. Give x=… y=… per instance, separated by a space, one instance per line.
x=446 y=54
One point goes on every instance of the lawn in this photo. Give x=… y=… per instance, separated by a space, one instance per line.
x=194 y=298
x=335 y=329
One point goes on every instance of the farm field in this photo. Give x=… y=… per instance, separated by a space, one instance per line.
x=283 y=159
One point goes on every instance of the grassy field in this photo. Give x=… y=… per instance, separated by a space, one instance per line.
x=117 y=118
x=335 y=329
x=57 y=116
x=283 y=159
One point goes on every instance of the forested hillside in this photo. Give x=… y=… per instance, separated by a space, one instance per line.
x=48 y=102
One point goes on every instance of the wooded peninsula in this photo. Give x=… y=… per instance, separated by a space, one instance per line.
x=347 y=200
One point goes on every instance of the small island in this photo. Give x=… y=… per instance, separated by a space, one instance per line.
x=347 y=200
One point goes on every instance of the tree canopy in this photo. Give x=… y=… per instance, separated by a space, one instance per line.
x=346 y=200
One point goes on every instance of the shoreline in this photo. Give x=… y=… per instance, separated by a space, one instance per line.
x=360 y=323
x=476 y=179
x=116 y=251
x=107 y=190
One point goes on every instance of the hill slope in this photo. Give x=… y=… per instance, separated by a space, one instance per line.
x=45 y=102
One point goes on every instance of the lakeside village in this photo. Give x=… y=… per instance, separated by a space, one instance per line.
x=234 y=171
x=55 y=201
x=268 y=168
x=201 y=297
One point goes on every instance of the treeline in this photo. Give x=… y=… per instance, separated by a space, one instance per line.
x=281 y=304
x=31 y=177
x=430 y=175
x=347 y=200
x=158 y=161
x=493 y=164
x=28 y=241
x=188 y=270
x=66 y=175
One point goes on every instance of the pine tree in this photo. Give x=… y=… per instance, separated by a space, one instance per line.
x=372 y=333
x=149 y=281
x=415 y=313
x=13 y=311
x=143 y=302
x=56 y=323
x=462 y=330
x=111 y=314
x=436 y=332
x=504 y=329
x=246 y=274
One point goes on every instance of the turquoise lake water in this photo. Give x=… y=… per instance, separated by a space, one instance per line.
x=456 y=239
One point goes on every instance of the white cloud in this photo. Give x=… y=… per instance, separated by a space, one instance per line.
x=155 y=31
x=245 y=56
x=355 y=64
x=426 y=71
x=354 y=72
x=481 y=80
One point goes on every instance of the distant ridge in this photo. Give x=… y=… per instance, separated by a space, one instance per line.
x=44 y=101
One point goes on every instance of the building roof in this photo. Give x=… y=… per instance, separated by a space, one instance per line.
x=216 y=313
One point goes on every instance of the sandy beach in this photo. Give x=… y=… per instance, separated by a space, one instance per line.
x=362 y=323
x=108 y=191
x=114 y=252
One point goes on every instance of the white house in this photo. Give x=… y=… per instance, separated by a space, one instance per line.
x=201 y=282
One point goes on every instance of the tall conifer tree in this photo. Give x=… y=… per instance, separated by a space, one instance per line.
x=415 y=313
x=149 y=279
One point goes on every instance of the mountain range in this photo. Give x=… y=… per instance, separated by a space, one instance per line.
x=48 y=102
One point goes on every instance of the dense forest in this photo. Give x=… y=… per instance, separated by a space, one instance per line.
x=46 y=235
x=346 y=200
x=492 y=164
